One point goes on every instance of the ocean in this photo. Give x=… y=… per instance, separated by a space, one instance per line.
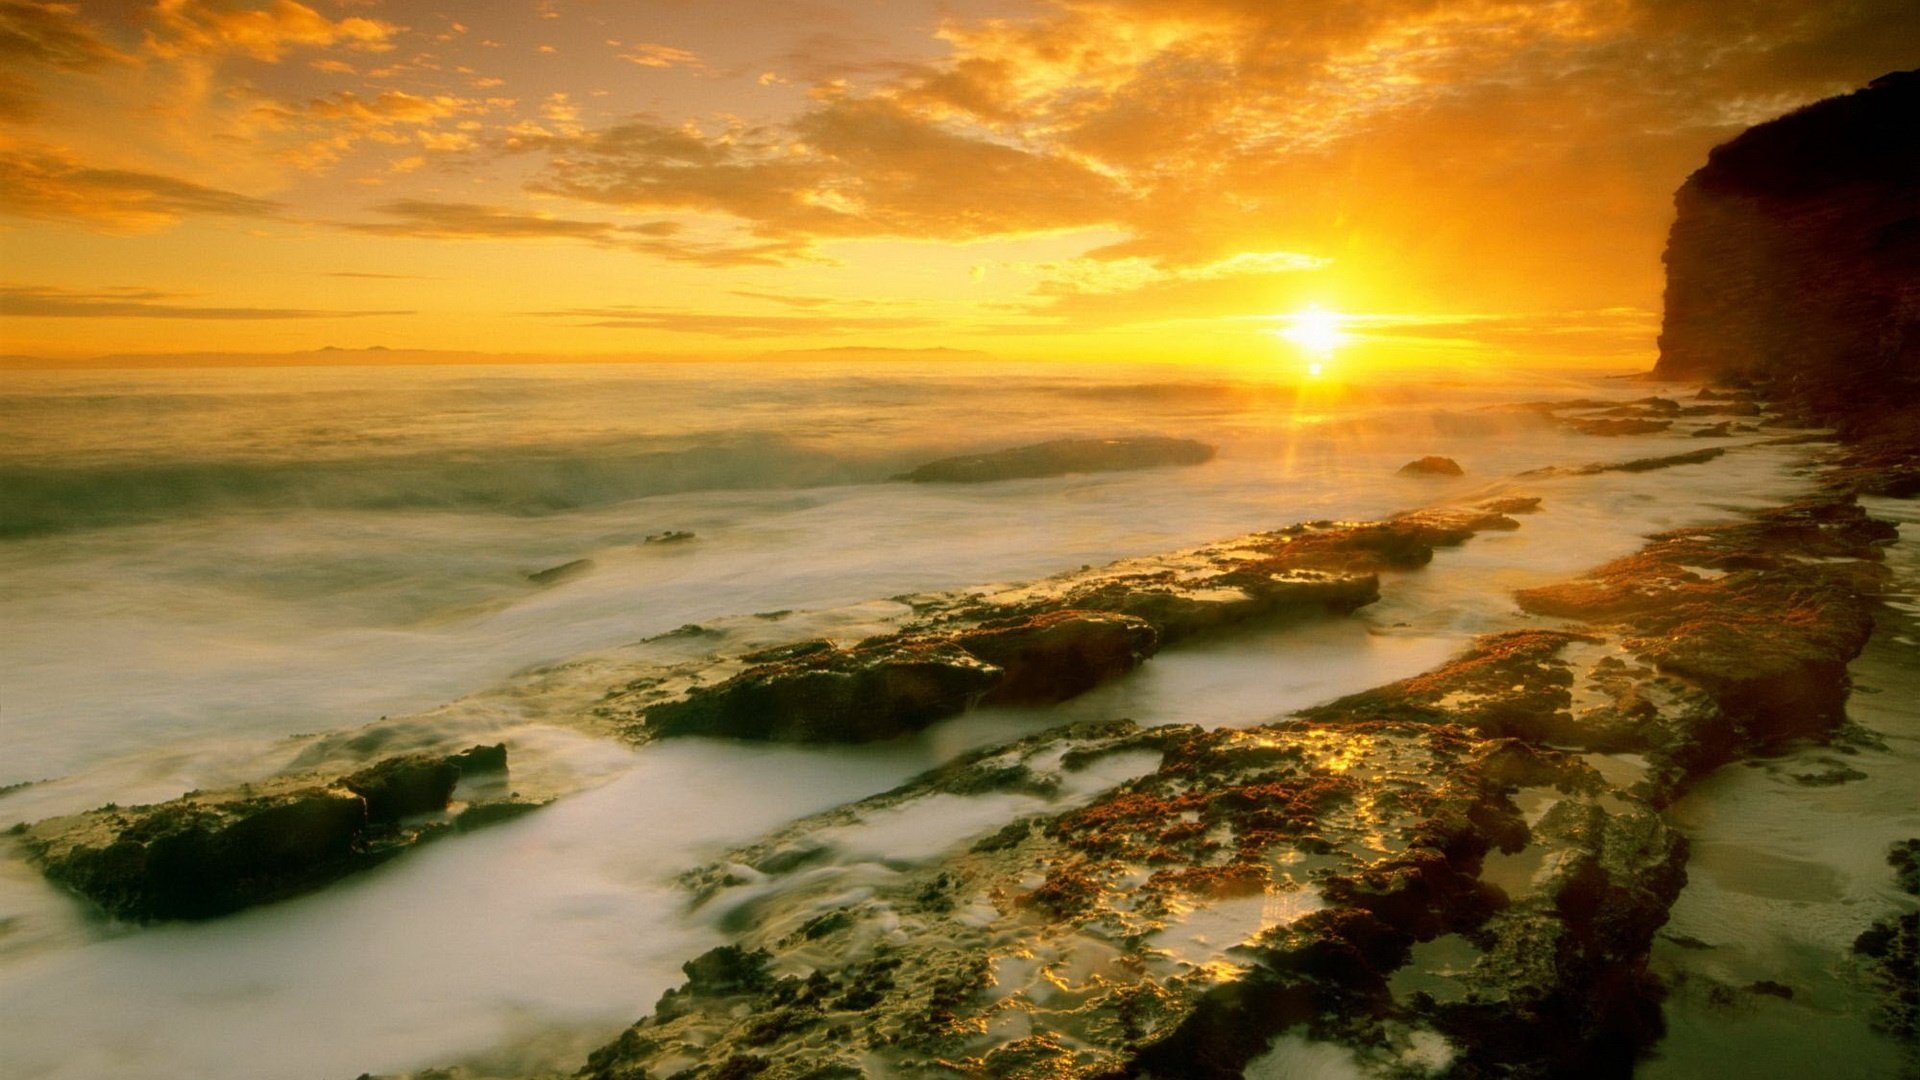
x=206 y=575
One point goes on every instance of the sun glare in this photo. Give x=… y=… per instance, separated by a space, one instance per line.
x=1317 y=332
x=1315 y=329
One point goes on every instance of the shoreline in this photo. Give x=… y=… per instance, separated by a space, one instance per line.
x=1404 y=732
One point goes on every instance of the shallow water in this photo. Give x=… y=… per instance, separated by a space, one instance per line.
x=371 y=559
x=1788 y=867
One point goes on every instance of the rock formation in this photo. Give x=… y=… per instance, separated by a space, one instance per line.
x=211 y=853
x=1432 y=465
x=1794 y=261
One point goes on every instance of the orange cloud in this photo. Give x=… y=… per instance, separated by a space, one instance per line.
x=43 y=302
x=660 y=56
x=728 y=325
x=851 y=168
x=222 y=27
x=473 y=221
x=50 y=184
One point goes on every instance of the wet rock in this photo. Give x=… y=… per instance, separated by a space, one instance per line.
x=1055 y=656
x=404 y=787
x=1620 y=427
x=189 y=860
x=1760 y=618
x=1432 y=466
x=1511 y=684
x=1889 y=952
x=209 y=854
x=671 y=536
x=1639 y=465
x=480 y=760
x=1172 y=926
x=1033 y=643
x=838 y=695
x=482 y=814
x=553 y=575
x=1061 y=457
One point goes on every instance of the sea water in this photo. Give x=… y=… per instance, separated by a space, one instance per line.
x=196 y=566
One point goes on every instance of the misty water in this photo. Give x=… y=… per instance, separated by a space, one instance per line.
x=204 y=573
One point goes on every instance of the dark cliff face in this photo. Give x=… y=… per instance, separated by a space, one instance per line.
x=1794 y=261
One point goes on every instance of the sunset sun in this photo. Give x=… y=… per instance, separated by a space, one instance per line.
x=1318 y=334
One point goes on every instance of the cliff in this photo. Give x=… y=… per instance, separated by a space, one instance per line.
x=1794 y=260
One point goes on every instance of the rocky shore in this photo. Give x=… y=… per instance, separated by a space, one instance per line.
x=1464 y=873
x=1460 y=873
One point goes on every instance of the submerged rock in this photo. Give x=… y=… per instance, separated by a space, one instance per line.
x=1432 y=466
x=553 y=575
x=209 y=854
x=1061 y=457
x=1620 y=427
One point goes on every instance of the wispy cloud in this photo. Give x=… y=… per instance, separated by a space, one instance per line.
x=53 y=185
x=43 y=302
x=727 y=325
x=475 y=221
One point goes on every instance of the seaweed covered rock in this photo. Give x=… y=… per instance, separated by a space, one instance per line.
x=1054 y=656
x=209 y=854
x=1255 y=881
x=873 y=691
x=1061 y=457
x=1037 y=643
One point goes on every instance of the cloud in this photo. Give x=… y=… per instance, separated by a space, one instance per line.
x=728 y=325
x=46 y=37
x=265 y=32
x=49 y=184
x=475 y=221
x=333 y=125
x=53 y=35
x=660 y=56
x=1439 y=152
x=850 y=168
x=43 y=302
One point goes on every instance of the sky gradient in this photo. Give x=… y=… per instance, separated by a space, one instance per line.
x=1469 y=183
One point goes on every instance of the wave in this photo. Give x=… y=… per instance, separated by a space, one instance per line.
x=44 y=499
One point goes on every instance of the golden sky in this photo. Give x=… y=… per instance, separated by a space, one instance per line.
x=1096 y=179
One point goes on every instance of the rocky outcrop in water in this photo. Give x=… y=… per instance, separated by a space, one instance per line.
x=1432 y=466
x=1461 y=872
x=1040 y=643
x=1062 y=457
x=211 y=853
x=1794 y=259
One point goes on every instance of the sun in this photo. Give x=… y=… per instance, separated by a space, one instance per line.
x=1317 y=331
